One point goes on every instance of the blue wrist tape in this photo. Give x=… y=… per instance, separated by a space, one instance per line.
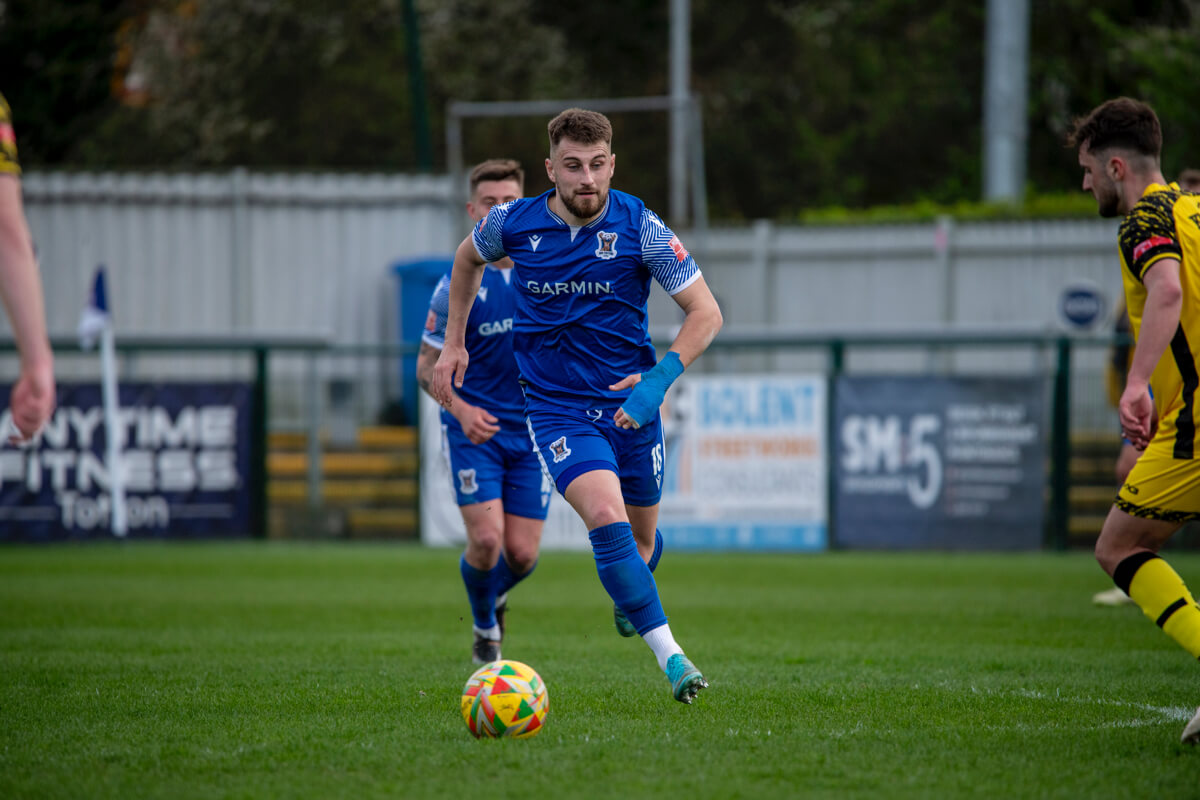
x=642 y=404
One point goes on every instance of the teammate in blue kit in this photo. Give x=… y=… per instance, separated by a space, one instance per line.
x=502 y=493
x=584 y=256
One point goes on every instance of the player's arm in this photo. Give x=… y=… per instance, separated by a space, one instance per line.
x=32 y=399
x=426 y=358
x=478 y=424
x=1160 y=321
x=465 y=277
x=701 y=322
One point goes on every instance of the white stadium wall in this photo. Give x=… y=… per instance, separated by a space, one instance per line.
x=250 y=253
x=238 y=252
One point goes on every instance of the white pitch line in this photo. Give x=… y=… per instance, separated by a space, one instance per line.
x=1173 y=713
x=1161 y=714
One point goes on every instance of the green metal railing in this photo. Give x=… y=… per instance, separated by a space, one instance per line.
x=260 y=349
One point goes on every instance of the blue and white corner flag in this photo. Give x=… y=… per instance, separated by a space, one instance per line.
x=94 y=318
x=96 y=323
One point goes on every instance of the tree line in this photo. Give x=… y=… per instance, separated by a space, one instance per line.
x=805 y=104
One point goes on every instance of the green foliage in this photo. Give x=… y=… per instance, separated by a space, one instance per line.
x=264 y=670
x=826 y=104
x=1161 y=65
x=294 y=83
x=55 y=69
x=838 y=103
x=1082 y=53
x=1035 y=206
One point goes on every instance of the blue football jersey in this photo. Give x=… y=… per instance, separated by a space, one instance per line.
x=581 y=322
x=491 y=379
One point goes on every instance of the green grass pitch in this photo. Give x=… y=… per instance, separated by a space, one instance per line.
x=264 y=670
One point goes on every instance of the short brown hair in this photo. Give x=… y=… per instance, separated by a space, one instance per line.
x=497 y=169
x=1123 y=123
x=580 y=125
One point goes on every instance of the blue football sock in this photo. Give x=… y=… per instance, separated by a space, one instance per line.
x=626 y=577
x=503 y=577
x=480 y=593
x=657 y=554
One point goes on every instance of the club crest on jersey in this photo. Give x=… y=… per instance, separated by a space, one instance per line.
x=466 y=481
x=482 y=294
x=560 y=450
x=608 y=245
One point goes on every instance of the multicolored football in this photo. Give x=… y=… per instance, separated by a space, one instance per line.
x=505 y=698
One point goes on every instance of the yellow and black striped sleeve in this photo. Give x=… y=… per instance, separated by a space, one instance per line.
x=8 y=142
x=1148 y=233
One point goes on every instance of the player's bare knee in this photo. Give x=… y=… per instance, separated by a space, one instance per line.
x=485 y=541
x=605 y=510
x=521 y=558
x=520 y=549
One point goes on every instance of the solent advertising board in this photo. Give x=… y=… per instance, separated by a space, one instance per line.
x=948 y=463
x=185 y=454
x=745 y=463
x=744 y=468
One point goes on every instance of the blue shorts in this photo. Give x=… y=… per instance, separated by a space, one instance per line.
x=504 y=467
x=572 y=441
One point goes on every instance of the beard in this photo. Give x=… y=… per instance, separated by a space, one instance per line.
x=1109 y=206
x=586 y=207
x=1107 y=201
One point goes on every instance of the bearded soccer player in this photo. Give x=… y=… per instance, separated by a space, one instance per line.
x=501 y=491
x=584 y=256
x=1120 y=145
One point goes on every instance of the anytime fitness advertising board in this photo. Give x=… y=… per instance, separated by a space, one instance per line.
x=185 y=454
x=744 y=469
x=951 y=463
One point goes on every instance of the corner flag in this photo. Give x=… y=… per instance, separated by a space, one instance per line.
x=94 y=318
x=95 y=322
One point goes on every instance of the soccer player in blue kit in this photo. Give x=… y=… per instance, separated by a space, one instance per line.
x=584 y=256
x=501 y=491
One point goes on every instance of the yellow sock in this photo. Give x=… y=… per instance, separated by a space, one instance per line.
x=1163 y=597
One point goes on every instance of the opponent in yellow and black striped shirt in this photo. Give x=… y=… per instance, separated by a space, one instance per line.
x=1120 y=146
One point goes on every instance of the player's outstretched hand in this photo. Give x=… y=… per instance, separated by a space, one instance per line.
x=448 y=373
x=1137 y=415
x=31 y=402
